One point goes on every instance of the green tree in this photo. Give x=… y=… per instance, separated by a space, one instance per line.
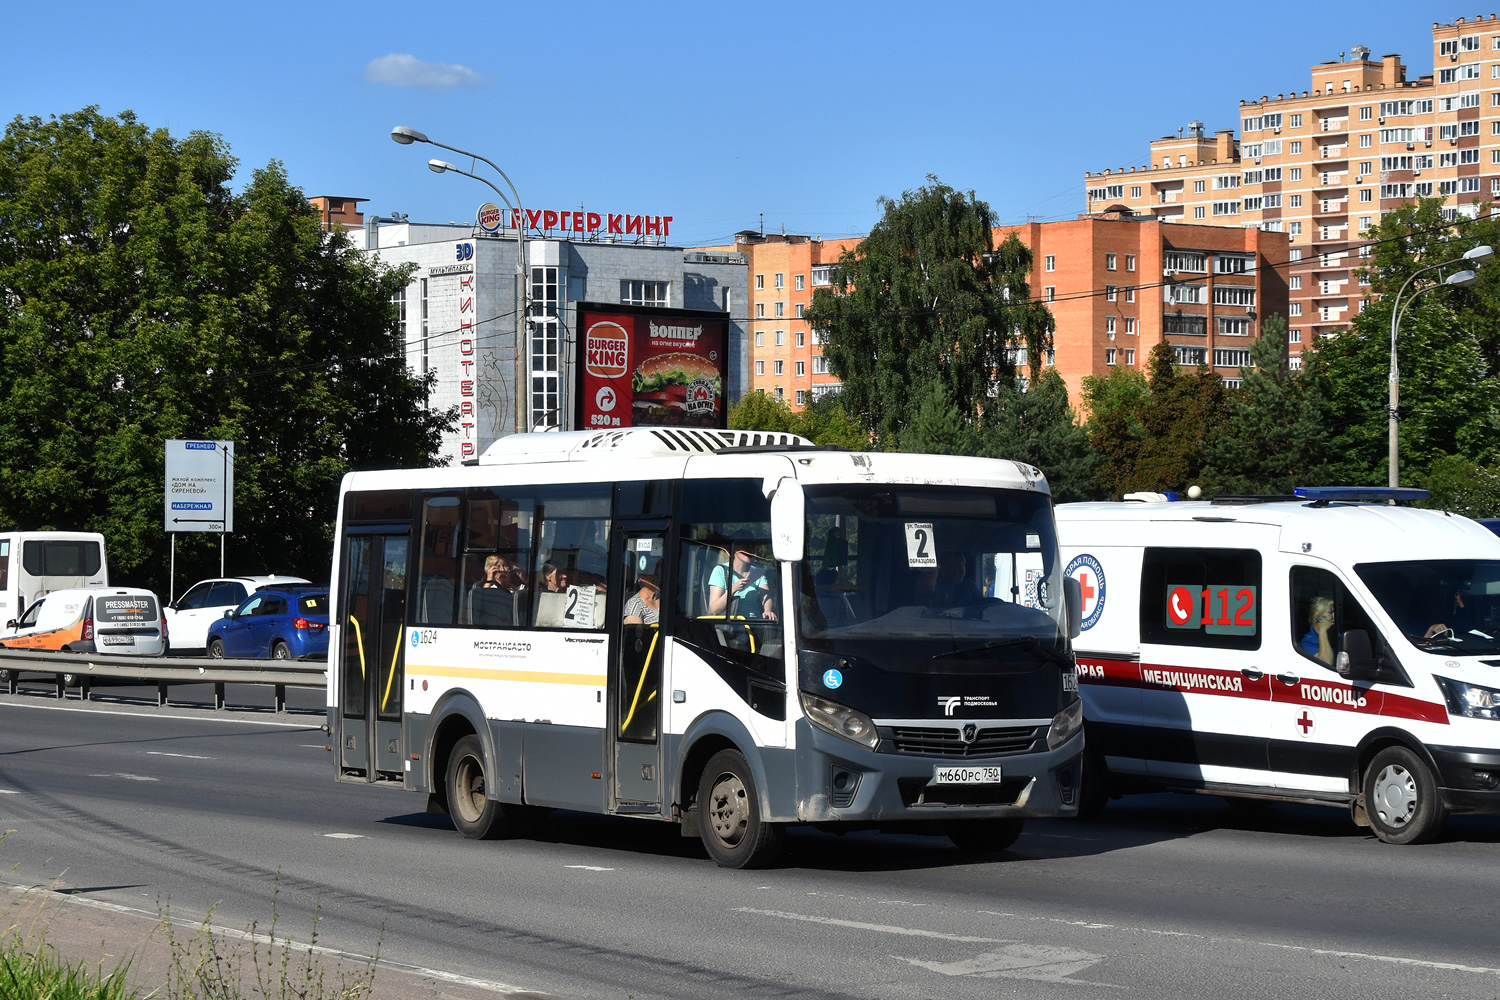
x=760 y=411
x=1115 y=403
x=827 y=423
x=146 y=301
x=1277 y=434
x=1038 y=427
x=927 y=296
x=938 y=428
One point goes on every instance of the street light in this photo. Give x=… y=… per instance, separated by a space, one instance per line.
x=406 y=136
x=1458 y=279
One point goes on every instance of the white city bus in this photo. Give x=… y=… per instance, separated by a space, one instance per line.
x=729 y=630
x=35 y=563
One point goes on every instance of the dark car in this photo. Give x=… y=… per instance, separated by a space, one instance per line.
x=284 y=624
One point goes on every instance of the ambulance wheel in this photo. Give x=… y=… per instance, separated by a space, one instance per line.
x=474 y=813
x=1401 y=798
x=984 y=836
x=730 y=823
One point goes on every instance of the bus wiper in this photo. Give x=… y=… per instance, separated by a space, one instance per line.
x=1035 y=644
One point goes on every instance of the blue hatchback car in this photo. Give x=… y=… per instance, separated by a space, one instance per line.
x=283 y=624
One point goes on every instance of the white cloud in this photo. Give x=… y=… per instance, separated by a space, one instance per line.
x=403 y=70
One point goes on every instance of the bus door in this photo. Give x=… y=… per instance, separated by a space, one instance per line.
x=636 y=672
x=372 y=614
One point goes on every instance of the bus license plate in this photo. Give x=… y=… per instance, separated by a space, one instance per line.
x=118 y=640
x=943 y=775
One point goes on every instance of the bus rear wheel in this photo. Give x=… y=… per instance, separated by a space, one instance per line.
x=474 y=813
x=1401 y=798
x=984 y=836
x=729 y=818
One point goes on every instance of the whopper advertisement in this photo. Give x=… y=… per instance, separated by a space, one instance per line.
x=651 y=367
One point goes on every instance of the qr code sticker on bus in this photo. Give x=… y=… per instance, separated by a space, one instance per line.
x=1031 y=593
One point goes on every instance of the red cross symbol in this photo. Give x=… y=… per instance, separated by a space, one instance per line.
x=1306 y=722
x=1083 y=584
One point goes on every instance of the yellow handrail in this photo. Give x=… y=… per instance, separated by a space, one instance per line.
x=359 y=637
x=733 y=618
x=645 y=669
x=391 y=679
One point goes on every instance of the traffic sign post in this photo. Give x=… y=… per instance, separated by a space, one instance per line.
x=199 y=490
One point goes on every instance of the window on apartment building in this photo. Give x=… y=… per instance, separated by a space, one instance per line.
x=1294 y=121
x=780 y=367
x=1296 y=283
x=643 y=293
x=1109 y=355
x=1050 y=358
x=1130 y=262
x=780 y=337
x=398 y=304
x=820 y=365
x=1296 y=147
x=1198 y=187
x=1366 y=166
x=1129 y=293
x=801 y=397
x=1198 y=212
x=1109 y=262
x=800 y=309
x=1130 y=355
x=822 y=276
x=780 y=309
x=1364 y=225
x=1366 y=194
x=820 y=337
x=760 y=338
x=760 y=310
x=801 y=369
x=1294 y=337
x=800 y=281
x=1129 y=326
x=779 y=392
x=1366 y=141
x=1109 y=326
x=1049 y=293
x=1366 y=113
x=1295 y=308
x=780 y=280
x=1295 y=229
x=760 y=367
x=1294 y=255
x=1051 y=262
x=1135 y=191
x=760 y=281
x=1109 y=293
x=1294 y=173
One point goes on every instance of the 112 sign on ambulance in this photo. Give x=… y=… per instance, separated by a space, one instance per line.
x=1331 y=648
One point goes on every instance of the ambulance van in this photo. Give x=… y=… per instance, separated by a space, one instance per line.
x=1325 y=648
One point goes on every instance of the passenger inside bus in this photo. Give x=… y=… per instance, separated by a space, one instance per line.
x=644 y=606
x=946 y=585
x=741 y=589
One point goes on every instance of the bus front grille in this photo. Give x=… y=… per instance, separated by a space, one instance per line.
x=948 y=741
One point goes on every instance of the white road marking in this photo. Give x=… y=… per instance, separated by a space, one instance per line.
x=881 y=928
x=590 y=868
x=218 y=719
x=9 y=791
x=127 y=777
x=189 y=756
x=312 y=746
x=1020 y=961
x=345 y=836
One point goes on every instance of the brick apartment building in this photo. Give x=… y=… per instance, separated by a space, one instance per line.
x=1324 y=165
x=1118 y=286
x=786 y=359
x=338 y=213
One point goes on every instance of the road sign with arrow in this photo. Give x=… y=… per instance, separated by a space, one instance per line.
x=200 y=486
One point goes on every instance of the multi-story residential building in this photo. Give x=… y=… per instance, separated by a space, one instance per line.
x=1119 y=285
x=1322 y=166
x=786 y=357
x=338 y=213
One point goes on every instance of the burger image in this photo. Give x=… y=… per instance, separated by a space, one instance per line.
x=677 y=388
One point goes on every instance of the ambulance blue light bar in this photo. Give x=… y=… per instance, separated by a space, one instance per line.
x=1328 y=494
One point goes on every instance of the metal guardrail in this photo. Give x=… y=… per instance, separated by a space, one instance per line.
x=81 y=669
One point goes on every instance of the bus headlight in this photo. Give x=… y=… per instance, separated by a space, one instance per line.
x=1470 y=700
x=840 y=720
x=1064 y=725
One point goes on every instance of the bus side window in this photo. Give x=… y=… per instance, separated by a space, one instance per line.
x=437 y=572
x=728 y=586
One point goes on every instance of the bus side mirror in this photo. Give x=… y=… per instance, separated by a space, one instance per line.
x=1073 y=595
x=788 y=521
x=1356 y=661
x=11 y=623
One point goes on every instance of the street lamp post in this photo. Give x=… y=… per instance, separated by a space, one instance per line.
x=1458 y=279
x=406 y=136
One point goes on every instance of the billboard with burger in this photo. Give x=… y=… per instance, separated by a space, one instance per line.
x=648 y=367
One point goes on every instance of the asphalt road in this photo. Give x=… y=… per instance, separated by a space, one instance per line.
x=1166 y=896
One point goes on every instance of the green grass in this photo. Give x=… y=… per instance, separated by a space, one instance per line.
x=36 y=972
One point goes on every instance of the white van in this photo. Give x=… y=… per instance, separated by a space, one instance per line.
x=1319 y=648
x=35 y=563
x=118 y=620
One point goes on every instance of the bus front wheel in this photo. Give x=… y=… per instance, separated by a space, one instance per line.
x=474 y=813
x=729 y=818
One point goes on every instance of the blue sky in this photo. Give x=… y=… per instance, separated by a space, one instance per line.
x=712 y=113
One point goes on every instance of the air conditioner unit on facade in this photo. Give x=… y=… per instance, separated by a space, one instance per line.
x=1380 y=121
x=1412 y=145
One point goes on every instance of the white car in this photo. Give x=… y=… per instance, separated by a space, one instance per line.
x=122 y=620
x=205 y=602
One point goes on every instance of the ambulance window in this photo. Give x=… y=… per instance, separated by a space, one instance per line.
x=1323 y=610
x=1201 y=597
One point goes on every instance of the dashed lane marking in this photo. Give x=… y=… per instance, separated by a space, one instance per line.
x=345 y=836
x=189 y=756
x=590 y=868
x=860 y=925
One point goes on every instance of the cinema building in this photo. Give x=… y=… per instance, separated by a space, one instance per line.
x=654 y=308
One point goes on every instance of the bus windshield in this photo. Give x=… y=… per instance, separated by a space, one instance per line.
x=1447 y=606
x=916 y=594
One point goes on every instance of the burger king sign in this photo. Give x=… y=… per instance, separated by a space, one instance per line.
x=667 y=363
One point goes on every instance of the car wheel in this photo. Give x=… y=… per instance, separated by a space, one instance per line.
x=984 y=836
x=474 y=813
x=1401 y=798
x=729 y=820
x=216 y=648
x=280 y=651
